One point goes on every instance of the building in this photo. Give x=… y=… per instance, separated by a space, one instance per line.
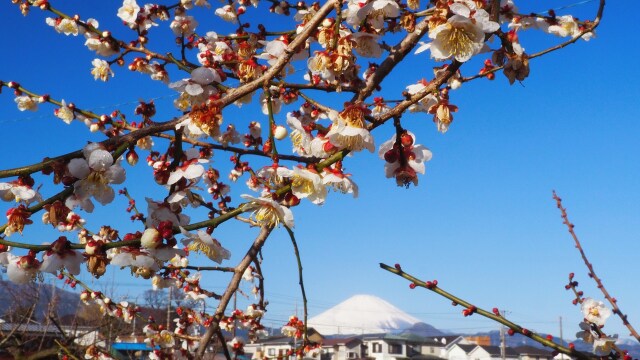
x=279 y=347
x=343 y=349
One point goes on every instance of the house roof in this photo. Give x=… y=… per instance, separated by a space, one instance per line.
x=276 y=340
x=466 y=348
x=532 y=350
x=340 y=341
x=496 y=351
x=425 y=357
x=42 y=328
x=404 y=337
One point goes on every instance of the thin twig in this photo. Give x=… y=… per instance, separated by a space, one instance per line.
x=305 y=338
x=592 y=273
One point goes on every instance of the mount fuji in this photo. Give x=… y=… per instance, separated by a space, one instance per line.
x=362 y=314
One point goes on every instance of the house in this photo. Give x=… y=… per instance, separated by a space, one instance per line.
x=492 y=353
x=458 y=351
x=533 y=353
x=280 y=347
x=342 y=349
x=396 y=347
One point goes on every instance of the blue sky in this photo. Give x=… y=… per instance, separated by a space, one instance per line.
x=481 y=221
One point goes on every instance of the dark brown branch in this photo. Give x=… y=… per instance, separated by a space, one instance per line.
x=396 y=55
x=231 y=289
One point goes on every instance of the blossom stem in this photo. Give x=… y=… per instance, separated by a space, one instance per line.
x=511 y=325
x=272 y=123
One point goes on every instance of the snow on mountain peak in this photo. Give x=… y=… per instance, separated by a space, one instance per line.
x=362 y=314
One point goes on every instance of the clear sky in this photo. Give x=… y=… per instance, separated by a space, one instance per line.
x=482 y=221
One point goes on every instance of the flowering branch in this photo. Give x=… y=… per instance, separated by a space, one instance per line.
x=495 y=315
x=592 y=273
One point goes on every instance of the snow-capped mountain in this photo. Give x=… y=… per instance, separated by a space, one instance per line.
x=362 y=314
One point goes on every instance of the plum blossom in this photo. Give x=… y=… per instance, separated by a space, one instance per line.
x=64 y=113
x=189 y=4
x=102 y=46
x=17 y=218
x=26 y=102
x=248 y=274
x=366 y=44
x=565 y=26
x=226 y=13
x=307 y=184
x=95 y=172
x=605 y=345
x=163 y=211
x=268 y=212
x=339 y=181
x=137 y=259
x=18 y=190
x=183 y=25
x=101 y=70
x=60 y=255
x=426 y=102
x=277 y=48
x=459 y=38
x=594 y=311
x=64 y=25
x=236 y=345
x=404 y=159
x=349 y=131
x=163 y=338
x=586 y=334
x=202 y=242
x=129 y=12
x=192 y=288
x=20 y=269
x=375 y=12
x=300 y=136
x=191 y=169
x=254 y=311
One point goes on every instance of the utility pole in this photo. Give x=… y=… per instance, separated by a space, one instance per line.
x=561 y=339
x=503 y=342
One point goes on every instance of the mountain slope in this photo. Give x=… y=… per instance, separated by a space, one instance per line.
x=362 y=314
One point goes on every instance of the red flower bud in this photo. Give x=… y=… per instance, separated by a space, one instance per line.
x=406 y=139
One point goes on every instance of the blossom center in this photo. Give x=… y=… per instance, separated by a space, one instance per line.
x=267 y=215
x=97 y=178
x=303 y=185
x=200 y=247
x=458 y=41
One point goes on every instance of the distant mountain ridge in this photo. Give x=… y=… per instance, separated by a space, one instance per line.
x=15 y=298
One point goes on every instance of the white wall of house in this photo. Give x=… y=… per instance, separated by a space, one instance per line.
x=456 y=353
x=480 y=354
x=380 y=349
x=343 y=352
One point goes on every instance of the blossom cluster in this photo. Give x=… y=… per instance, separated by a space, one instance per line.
x=296 y=149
